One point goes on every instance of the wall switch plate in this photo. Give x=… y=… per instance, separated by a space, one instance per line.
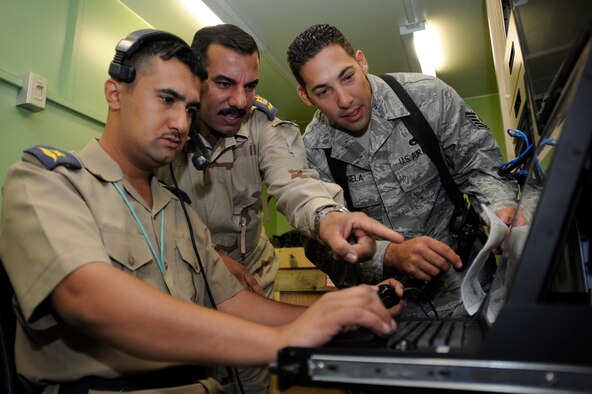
x=33 y=93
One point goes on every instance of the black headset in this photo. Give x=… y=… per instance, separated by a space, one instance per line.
x=201 y=157
x=129 y=45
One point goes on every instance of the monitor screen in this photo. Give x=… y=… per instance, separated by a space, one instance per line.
x=572 y=272
x=552 y=34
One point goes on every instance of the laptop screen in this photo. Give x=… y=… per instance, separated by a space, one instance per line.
x=550 y=34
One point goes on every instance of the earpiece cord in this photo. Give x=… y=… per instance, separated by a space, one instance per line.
x=232 y=371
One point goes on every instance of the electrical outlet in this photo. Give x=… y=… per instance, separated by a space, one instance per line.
x=33 y=93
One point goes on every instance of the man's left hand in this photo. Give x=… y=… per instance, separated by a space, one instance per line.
x=241 y=273
x=507 y=214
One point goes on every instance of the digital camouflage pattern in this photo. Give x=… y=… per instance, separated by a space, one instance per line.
x=393 y=181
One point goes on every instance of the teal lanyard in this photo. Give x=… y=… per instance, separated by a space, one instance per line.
x=159 y=261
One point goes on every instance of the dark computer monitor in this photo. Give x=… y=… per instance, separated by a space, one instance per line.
x=558 y=207
x=554 y=39
x=552 y=35
x=548 y=277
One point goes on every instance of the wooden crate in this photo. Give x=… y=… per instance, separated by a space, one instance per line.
x=299 y=282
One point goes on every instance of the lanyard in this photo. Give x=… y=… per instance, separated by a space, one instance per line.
x=159 y=261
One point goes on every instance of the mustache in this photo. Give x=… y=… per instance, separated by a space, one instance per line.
x=233 y=112
x=172 y=133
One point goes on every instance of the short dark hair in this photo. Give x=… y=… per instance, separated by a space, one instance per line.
x=227 y=35
x=166 y=50
x=310 y=42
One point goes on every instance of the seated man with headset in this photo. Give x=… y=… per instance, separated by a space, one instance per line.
x=116 y=283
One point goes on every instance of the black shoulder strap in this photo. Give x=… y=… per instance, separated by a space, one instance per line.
x=423 y=133
x=337 y=168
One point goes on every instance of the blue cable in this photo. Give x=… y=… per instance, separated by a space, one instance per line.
x=545 y=141
x=508 y=166
x=517 y=134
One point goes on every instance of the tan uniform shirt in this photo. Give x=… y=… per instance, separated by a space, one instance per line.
x=55 y=221
x=227 y=195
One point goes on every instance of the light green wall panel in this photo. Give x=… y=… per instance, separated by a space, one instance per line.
x=55 y=126
x=32 y=37
x=69 y=42
x=102 y=25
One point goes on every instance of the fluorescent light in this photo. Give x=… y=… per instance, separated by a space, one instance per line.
x=428 y=49
x=201 y=13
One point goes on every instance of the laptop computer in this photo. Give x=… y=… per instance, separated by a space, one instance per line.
x=533 y=332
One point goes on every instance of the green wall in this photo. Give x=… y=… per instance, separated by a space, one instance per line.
x=69 y=42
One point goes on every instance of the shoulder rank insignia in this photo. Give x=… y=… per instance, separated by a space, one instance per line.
x=478 y=123
x=177 y=192
x=266 y=107
x=52 y=157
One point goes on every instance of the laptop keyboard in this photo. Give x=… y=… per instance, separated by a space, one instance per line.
x=418 y=335
x=428 y=335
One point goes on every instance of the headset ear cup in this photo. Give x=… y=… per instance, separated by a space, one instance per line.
x=122 y=72
x=200 y=162
x=127 y=73
x=201 y=158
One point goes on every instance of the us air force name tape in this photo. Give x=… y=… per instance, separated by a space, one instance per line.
x=52 y=157
x=266 y=107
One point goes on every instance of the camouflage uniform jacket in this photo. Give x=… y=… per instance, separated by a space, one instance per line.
x=227 y=195
x=394 y=181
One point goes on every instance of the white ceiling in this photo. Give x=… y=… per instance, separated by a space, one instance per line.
x=371 y=25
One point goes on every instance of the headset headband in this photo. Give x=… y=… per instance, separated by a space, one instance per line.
x=129 y=45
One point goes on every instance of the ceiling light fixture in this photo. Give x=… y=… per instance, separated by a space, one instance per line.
x=422 y=43
x=201 y=13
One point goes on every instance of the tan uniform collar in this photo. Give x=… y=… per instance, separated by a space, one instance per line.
x=226 y=143
x=96 y=161
x=94 y=158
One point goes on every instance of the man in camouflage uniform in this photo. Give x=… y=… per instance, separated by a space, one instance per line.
x=247 y=146
x=389 y=176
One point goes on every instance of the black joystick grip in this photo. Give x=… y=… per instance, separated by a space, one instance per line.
x=388 y=296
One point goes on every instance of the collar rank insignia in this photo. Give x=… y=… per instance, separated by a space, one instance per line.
x=265 y=106
x=52 y=157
